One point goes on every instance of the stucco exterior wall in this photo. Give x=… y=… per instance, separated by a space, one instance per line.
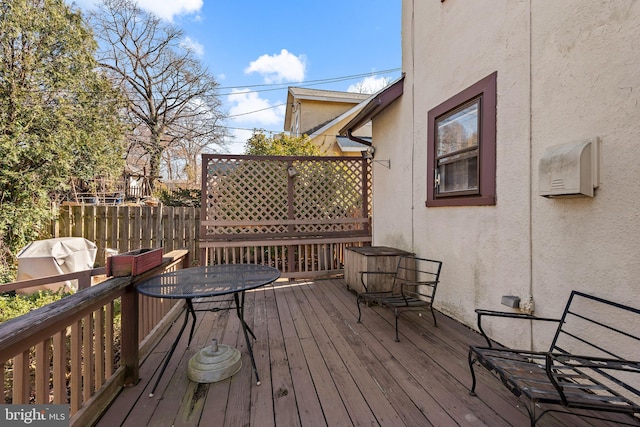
x=393 y=182
x=326 y=137
x=565 y=71
x=315 y=113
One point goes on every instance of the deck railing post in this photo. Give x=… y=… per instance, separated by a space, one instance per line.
x=186 y=261
x=129 y=343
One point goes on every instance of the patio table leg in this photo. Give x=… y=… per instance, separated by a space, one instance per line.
x=245 y=328
x=188 y=310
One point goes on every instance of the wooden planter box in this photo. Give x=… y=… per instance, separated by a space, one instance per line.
x=134 y=262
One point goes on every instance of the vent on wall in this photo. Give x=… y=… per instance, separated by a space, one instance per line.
x=569 y=170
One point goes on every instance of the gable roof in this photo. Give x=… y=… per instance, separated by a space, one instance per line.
x=341 y=118
x=326 y=95
x=306 y=94
x=375 y=106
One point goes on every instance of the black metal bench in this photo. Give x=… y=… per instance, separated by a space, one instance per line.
x=592 y=362
x=413 y=287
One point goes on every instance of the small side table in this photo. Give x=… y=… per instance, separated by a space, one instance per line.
x=370 y=258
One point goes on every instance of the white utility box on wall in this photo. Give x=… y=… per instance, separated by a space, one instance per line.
x=570 y=169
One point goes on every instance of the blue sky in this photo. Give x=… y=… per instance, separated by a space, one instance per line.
x=284 y=43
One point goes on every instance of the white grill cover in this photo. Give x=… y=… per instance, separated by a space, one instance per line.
x=51 y=257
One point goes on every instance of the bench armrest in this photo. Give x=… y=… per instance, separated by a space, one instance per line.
x=481 y=312
x=362 y=273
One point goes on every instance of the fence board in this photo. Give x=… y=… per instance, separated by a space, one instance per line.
x=101 y=234
x=127 y=228
x=76 y=221
x=167 y=228
x=89 y=222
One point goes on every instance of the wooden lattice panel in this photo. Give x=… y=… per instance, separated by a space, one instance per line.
x=328 y=190
x=270 y=197
x=244 y=190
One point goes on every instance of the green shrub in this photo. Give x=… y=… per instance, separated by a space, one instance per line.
x=15 y=305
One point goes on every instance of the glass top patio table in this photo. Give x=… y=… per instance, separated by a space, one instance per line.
x=208 y=281
x=204 y=282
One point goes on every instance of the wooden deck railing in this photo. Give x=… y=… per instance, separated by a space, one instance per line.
x=295 y=258
x=82 y=349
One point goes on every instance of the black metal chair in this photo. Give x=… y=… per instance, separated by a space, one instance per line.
x=414 y=284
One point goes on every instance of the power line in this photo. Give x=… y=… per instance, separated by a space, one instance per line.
x=256 y=111
x=271 y=86
x=327 y=80
x=278 y=88
x=275 y=132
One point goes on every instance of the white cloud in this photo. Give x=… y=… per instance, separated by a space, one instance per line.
x=278 y=68
x=165 y=9
x=193 y=45
x=237 y=139
x=248 y=112
x=248 y=108
x=369 y=85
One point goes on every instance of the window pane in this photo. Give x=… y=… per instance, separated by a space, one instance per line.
x=458 y=130
x=461 y=175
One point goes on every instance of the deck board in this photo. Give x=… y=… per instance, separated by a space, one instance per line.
x=264 y=349
x=319 y=367
x=303 y=390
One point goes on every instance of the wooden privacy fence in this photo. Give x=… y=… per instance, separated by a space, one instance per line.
x=127 y=228
x=297 y=214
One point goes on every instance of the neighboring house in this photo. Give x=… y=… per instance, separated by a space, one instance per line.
x=320 y=114
x=492 y=90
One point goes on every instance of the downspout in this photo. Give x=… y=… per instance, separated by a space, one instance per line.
x=531 y=167
x=413 y=122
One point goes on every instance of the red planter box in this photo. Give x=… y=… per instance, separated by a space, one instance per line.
x=134 y=262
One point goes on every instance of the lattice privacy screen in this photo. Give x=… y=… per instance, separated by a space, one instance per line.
x=256 y=197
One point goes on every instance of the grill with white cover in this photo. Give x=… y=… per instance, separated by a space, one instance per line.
x=52 y=257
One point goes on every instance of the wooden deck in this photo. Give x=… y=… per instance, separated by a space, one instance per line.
x=319 y=367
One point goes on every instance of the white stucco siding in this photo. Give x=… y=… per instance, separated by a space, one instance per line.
x=392 y=203
x=565 y=71
x=587 y=84
x=486 y=249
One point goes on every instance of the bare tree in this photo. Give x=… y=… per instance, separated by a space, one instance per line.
x=164 y=82
x=186 y=151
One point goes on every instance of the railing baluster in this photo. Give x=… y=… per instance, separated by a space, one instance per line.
x=76 y=366
x=109 y=351
x=21 y=378
x=59 y=367
x=88 y=358
x=99 y=348
x=43 y=350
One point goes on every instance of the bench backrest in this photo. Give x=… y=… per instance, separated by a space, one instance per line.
x=417 y=277
x=598 y=328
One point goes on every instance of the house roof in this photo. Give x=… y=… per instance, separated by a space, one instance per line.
x=301 y=93
x=326 y=95
x=375 y=106
x=349 y=145
x=338 y=120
